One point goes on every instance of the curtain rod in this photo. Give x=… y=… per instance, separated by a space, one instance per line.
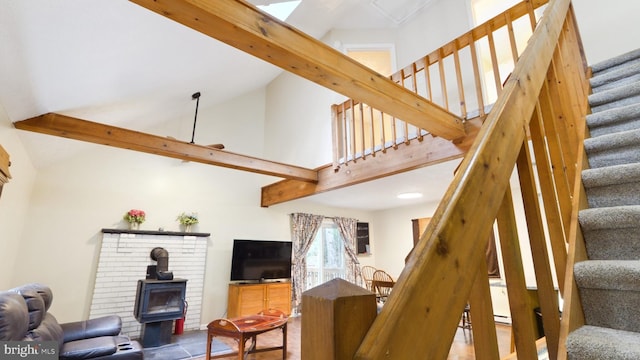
x=330 y=217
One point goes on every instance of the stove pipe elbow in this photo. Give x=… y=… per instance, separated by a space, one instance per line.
x=161 y=255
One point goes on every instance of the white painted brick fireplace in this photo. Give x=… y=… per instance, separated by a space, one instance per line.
x=124 y=256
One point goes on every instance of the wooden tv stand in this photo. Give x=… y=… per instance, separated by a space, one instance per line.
x=251 y=298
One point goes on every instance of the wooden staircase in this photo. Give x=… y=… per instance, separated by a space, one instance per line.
x=536 y=127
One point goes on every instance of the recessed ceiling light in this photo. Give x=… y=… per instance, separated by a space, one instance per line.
x=280 y=10
x=410 y=195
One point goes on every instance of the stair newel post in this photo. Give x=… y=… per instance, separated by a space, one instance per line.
x=337 y=315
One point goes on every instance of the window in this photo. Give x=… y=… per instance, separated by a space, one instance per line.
x=325 y=259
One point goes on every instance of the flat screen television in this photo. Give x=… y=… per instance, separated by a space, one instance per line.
x=260 y=260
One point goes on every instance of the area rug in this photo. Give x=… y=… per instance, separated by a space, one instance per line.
x=189 y=345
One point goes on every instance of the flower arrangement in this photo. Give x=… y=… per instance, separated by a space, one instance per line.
x=134 y=216
x=188 y=218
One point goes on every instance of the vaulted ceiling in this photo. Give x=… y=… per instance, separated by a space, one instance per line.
x=100 y=60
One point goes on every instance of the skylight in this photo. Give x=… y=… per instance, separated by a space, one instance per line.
x=280 y=10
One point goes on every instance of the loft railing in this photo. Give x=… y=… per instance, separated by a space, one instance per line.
x=535 y=127
x=462 y=77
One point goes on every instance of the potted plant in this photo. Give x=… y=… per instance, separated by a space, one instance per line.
x=188 y=220
x=134 y=217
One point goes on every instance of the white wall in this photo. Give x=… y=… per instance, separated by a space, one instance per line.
x=607 y=28
x=14 y=202
x=440 y=22
x=394 y=235
x=298 y=121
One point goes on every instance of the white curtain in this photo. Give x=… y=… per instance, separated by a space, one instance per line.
x=348 y=231
x=303 y=231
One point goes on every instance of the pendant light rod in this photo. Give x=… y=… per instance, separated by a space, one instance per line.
x=195 y=96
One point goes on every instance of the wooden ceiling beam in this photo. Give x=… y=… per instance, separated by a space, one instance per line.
x=245 y=27
x=418 y=154
x=78 y=129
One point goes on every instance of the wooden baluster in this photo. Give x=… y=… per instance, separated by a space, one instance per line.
x=345 y=134
x=521 y=313
x=551 y=103
x=463 y=105
x=485 y=342
x=476 y=77
x=564 y=97
x=395 y=132
x=383 y=132
x=512 y=37
x=414 y=86
x=547 y=296
x=494 y=62
x=373 y=132
x=443 y=81
x=549 y=196
x=335 y=136
x=561 y=184
x=353 y=131
x=570 y=79
x=579 y=58
x=404 y=76
x=427 y=78
x=532 y=15
x=363 y=142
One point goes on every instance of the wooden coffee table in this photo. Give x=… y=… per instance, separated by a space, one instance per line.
x=244 y=328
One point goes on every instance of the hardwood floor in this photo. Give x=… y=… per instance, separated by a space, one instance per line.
x=462 y=348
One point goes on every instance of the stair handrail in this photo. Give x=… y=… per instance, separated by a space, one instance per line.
x=422 y=313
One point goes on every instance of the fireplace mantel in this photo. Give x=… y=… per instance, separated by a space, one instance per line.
x=154 y=232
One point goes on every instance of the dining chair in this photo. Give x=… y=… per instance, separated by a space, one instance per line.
x=466 y=318
x=382 y=284
x=367 y=276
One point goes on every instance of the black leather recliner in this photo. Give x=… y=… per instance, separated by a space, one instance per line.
x=24 y=316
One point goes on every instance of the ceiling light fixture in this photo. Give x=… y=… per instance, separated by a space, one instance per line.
x=410 y=195
x=196 y=97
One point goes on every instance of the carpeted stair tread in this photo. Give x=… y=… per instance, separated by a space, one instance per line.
x=620 y=76
x=619 y=96
x=608 y=274
x=596 y=343
x=612 y=63
x=616 y=185
x=613 y=120
x=610 y=293
x=609 y=217
x=613 y=149
x=611 y=233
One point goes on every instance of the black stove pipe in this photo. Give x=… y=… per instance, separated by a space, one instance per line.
x=161 y=255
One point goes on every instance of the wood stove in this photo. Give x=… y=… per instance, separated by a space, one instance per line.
x=158 y=303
